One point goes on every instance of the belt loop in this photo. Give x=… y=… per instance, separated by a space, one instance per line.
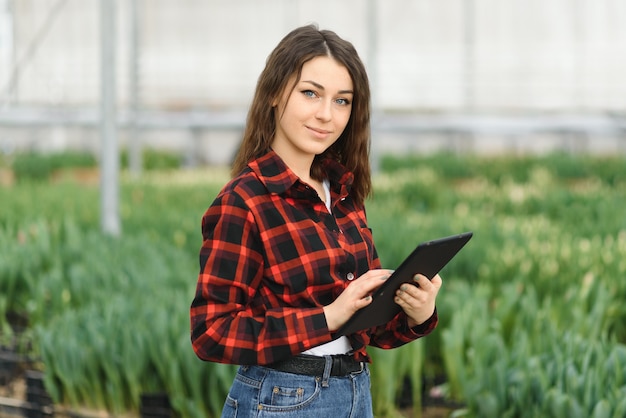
x=328 y=365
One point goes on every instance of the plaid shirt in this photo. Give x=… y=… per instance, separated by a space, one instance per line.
x=272 y=257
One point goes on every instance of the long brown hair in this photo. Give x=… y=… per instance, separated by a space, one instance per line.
x=353 y=146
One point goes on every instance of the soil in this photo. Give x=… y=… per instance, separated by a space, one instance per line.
x=16 y=389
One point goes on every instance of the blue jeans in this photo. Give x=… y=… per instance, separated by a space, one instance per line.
x=262 y=392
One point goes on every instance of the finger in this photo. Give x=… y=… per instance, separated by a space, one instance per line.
x=408 y=293
x=421 y=281
x=407 y=290
x=371 y=281
x=361 y=303
x=399 y=300
x=373 y=275
x=436 y=281
x=404 y=299
x=428 y=285
x=378 y=274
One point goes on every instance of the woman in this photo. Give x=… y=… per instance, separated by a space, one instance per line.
x=287 y=256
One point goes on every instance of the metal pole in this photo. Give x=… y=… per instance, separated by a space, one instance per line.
x=135 y=148
x=109 y=161
x=6 y=46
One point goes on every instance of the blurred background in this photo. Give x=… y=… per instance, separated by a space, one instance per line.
x=503 y=117
x=485 y=75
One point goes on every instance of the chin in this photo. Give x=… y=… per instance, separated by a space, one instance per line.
x=315 y=150
x=320 y=148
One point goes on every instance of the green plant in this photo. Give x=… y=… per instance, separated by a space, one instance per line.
x=155 y=160
x=532 y=320
x=39 y=166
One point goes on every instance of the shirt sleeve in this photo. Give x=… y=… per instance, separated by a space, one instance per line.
x=230 y=322
x=397 y=332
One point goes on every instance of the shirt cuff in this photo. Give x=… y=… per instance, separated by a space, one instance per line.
x=426 y=327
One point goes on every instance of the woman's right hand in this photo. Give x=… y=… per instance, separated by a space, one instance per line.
x=355 y=296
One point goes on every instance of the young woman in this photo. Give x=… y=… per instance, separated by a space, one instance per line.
x=287 y=256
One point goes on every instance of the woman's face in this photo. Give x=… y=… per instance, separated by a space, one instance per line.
x=311 y=117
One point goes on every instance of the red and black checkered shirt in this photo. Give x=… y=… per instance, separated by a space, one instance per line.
x=272 y=257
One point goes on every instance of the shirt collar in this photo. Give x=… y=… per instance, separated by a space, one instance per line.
x=278 y=177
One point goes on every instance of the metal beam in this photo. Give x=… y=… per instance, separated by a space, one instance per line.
x=605 y=123
x=135 y=160
x=109 y=161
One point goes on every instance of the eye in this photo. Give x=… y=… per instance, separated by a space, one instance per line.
x=342 y=102
x=309 y=93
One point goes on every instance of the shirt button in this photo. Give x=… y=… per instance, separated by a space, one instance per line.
x=350 y=276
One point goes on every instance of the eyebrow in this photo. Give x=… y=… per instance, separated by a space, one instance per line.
x=320 y=87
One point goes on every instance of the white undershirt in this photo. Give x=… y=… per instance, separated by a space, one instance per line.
x=341 y=345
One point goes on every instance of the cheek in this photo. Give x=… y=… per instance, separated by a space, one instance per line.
x=343 y=119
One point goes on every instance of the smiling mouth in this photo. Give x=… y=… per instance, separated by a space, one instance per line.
x=319 y=132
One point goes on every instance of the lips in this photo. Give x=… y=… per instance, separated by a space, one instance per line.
x=319 y=133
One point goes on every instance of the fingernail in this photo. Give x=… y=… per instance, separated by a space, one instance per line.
x=368 y=298
x=403 y=287
x=416 y=277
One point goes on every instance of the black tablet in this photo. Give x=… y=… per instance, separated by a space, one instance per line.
x=428 y=259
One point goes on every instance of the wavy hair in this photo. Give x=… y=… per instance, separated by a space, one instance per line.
x=352 y=148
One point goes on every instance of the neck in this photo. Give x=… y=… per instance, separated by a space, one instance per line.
x=300 y=164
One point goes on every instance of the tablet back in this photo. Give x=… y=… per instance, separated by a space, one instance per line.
x=428 y=259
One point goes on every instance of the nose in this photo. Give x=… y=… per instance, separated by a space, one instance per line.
x=324 y=112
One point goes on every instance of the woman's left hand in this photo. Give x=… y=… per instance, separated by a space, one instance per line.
x=418 y=302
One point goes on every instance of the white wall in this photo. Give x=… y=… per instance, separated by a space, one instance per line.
x=427 y=55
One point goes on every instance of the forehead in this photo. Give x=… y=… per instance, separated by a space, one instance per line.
x=327 y=72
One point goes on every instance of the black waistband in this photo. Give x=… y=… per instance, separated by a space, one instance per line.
x=342 y=365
